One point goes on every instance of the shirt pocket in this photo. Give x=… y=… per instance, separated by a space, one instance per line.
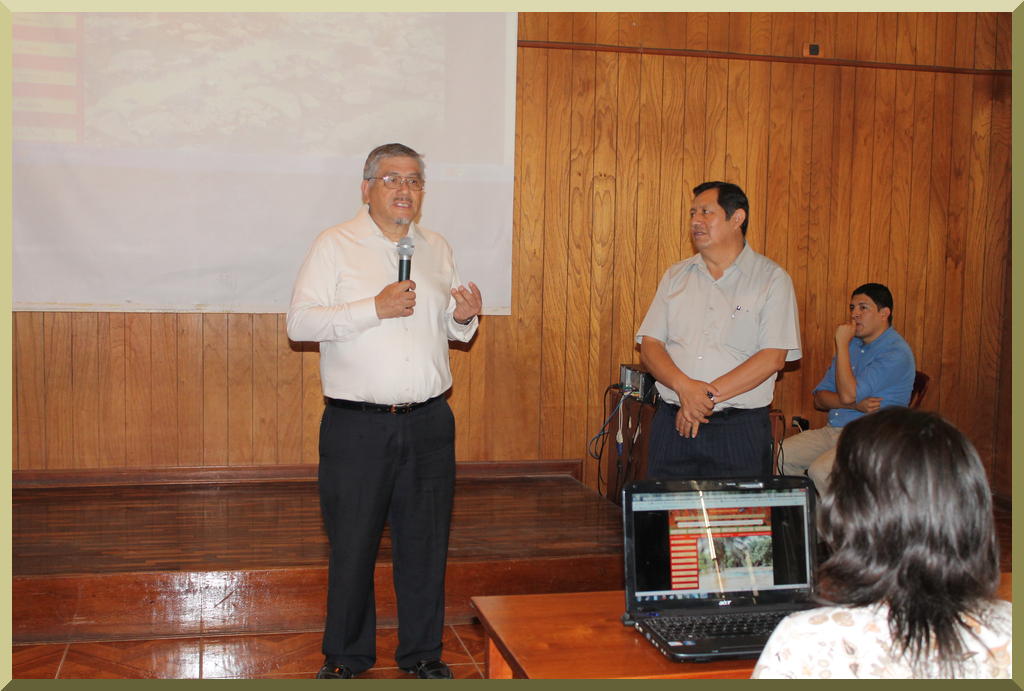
x=741 y=331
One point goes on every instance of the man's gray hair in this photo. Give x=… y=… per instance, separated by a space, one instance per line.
x=389 y=151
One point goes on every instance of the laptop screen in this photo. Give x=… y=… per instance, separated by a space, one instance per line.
x=746 y=540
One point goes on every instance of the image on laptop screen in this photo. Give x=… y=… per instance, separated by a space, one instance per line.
x=713 y=544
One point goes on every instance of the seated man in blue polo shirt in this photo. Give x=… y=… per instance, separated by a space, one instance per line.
x=873 y=368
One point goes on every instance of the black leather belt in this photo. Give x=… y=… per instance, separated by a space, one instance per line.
x=393 y=408
x=724 y=413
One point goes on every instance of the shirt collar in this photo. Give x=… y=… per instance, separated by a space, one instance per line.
x=742 y=262
x=368 y=227
x=883 y=337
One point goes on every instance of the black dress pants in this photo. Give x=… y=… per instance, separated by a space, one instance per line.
x=401 y=468
x=733 y=443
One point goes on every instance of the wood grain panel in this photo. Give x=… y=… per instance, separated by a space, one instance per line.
x=58 y=392
x=649 y=202
x=164 y=399
x=112 y=347
x=627 y=312
x=556 y=232
x=312 y=403
x=879 y=235
x=801 y=163
x=289 y=397
x=240 y=389
x=139 y=389
x=190 y=388
x=85 y=383
x=215 y=389
x=899 y=219
x=30 y=389
x=580 y=237
x=858 y=269
x=264 y=389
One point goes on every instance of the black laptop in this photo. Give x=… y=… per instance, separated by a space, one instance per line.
x=713 y=565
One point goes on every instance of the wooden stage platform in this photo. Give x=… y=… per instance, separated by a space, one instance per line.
x=135 y=562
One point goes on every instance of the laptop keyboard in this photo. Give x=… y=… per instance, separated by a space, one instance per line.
x=716 y=625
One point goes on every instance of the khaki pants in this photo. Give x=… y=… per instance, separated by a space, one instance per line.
x=811 y=452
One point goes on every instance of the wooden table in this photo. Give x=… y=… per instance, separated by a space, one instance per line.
x=579 y=636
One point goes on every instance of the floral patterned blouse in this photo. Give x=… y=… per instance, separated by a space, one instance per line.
x=854 y=643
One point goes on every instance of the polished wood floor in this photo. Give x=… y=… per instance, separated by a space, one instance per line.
x=117 y=548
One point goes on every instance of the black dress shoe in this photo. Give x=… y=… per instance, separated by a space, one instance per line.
x=430 y=669
x=335 y=672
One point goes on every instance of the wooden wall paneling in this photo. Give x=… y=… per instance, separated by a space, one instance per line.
x=1001 y=474
x=803 y=32
x=629 y=28
x=139 y=388
x=14 y=391
x=606 y=28
x=950 y=389
x=674 y=29
x=978 y=415
x=858 y=269
x=654 y=30
x=737 y=124
x=628 y=264
x=867 y=36
x=674 y=194
x=189 y=372
x=289 y=432
x=533 y=26
x=985 y=41
x=897 y=257
x=927 y=30
x=240 y=389
x=112 y=345
x=911 y=320
x=697 y=30
x=995 y=353
x=715 y=120
x=58 y=390
x=1004 y=41
x=312 y=402
x=527 y=265
x=86 y=391
x=581 y=226
x=945 y=38
x=887 y=38
x=602 y=343
x=840 y=201
x=739 y=32
x=215 y=389
x=845 y=36
x=935 y=303
x=718 y=31
x=476 y=447
x=758 y=103
x=816 y=317
x=760 y=33
x=879 y=227
x=560 y=27
x=797 y=388
x=694 y=143
x=264 y=389
x=966 y=31
x=906 y=38
x=164 y=381
x=649 y=202
x=781 y=220
x=29 y=351
x=556 y=233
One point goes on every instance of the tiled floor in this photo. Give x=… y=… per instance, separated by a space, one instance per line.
x=270 y=656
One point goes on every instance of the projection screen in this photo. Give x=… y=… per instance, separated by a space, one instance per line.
x=185 y=162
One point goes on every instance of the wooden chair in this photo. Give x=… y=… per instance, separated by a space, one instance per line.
x=920 y=388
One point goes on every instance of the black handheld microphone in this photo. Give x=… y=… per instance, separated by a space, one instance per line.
x=405 y=248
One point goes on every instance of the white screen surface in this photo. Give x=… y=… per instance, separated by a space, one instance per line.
x=185 y=162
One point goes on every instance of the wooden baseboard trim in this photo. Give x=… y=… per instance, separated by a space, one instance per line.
x=306 y=472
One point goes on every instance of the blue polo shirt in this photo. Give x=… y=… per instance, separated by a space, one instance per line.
x=884 y=368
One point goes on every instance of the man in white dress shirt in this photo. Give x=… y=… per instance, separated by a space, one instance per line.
x=387 y=437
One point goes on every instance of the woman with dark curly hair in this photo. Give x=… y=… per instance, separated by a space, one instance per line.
x=914 y=562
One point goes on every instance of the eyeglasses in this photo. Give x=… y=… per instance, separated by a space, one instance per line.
x=394 y=182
